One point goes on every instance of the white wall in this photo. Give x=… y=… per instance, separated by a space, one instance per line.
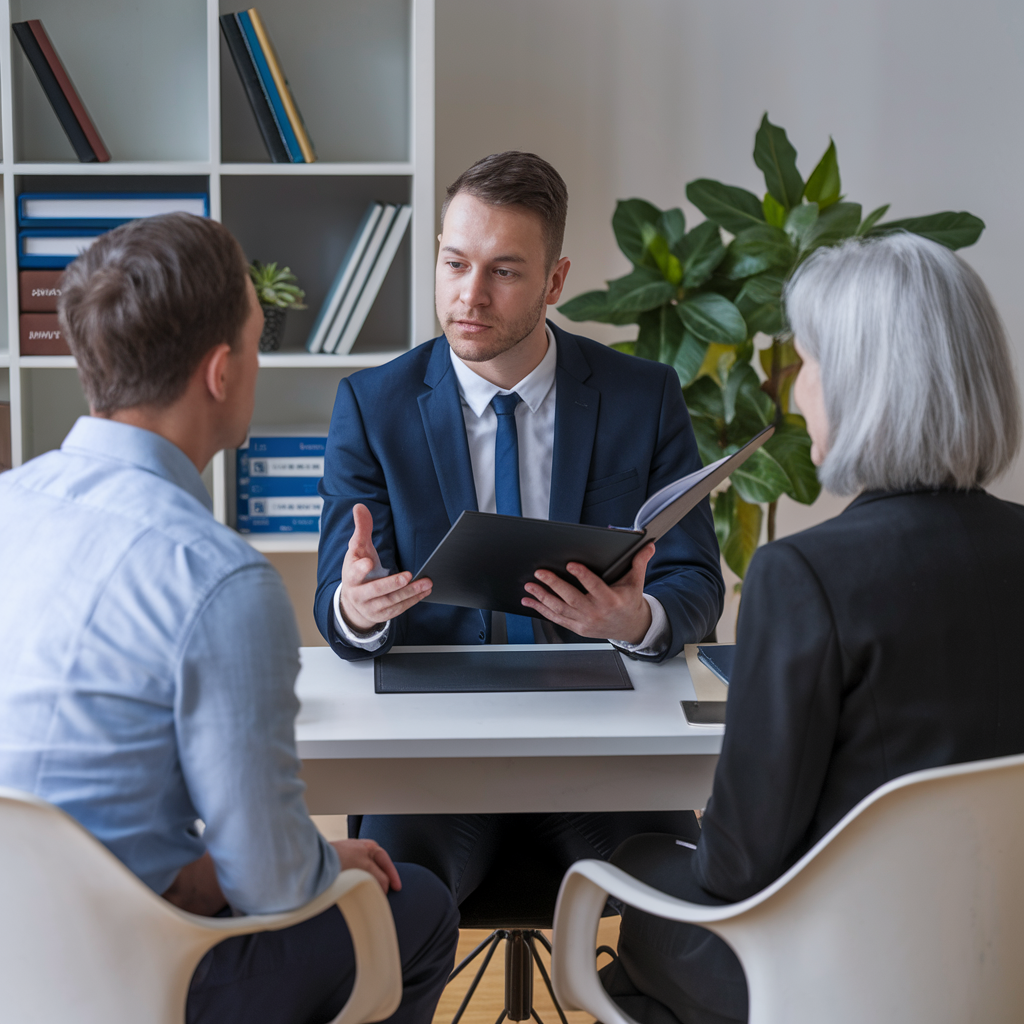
x=924 y=99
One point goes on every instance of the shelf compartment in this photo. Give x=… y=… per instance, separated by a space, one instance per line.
x=50 y=404
x=348 y=65
x=141 y=71
x=307 y=224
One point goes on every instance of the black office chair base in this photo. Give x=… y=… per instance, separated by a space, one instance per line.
x=520 y=957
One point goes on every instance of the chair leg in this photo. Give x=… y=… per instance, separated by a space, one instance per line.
x=518 y=975
x=492 y=940
x=544 y=973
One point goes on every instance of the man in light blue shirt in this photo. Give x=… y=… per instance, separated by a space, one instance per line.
x=150 y=654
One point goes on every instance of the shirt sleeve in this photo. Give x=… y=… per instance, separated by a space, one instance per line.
x=367 y=641
x=658 y=635
x=235 y=721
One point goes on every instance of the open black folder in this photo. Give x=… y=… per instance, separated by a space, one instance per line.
x=484 y=559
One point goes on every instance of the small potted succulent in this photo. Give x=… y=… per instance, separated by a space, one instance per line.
x=278 y=291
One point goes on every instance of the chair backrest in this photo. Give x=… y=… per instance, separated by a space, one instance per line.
x=910 y=910
x=81 y=938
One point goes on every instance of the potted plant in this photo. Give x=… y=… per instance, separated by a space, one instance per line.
x=278 y=291
x=702 y=297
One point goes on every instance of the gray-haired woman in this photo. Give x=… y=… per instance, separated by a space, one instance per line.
x=876 y=644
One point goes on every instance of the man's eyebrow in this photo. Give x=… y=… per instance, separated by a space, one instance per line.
x=510 y=258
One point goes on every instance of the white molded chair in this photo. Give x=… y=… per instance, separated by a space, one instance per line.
x=910 y=910
x=83 y=940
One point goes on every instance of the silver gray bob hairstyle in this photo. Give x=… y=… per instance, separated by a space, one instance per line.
x=916 y=372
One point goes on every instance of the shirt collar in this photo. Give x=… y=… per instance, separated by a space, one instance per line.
x=532 y=389
x=121 y=442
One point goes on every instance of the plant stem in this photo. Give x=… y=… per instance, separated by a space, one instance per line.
x=773 y=507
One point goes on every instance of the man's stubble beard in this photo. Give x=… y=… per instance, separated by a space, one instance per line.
x=505 y=335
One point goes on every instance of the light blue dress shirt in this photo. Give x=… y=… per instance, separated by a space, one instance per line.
x=148 y=658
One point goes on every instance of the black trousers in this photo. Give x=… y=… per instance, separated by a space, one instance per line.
x=669 y=972
x=461 y=848
x=304 y=974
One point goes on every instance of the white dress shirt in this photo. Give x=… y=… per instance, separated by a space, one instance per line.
x=535 y=427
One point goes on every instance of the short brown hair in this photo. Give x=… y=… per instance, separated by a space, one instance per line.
x=518 y=179
x=143 y=305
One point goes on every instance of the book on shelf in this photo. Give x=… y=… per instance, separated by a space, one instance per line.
x=254 y=91
x=380 y=270
x=359 y=277
x=59 y=90
x=277 y=473
x=343 y=278
x=284 y=88
x=40 y=334
x=5 y=436
x=257 y=64
x=53 y=249
x=104 y=209
x=39 y=290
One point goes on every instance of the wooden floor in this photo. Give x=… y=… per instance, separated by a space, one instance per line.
x=489 y=999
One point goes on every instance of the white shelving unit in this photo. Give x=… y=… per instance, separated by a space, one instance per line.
x=164 y=94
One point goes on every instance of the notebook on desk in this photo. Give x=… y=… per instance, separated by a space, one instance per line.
x=493 y=669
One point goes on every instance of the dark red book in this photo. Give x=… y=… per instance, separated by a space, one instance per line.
x=39 y=290
x=70 y=94
x=41 y=335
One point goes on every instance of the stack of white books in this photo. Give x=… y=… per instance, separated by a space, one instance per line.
x=359 y=278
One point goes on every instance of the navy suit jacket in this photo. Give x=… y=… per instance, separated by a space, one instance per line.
x=398 y=444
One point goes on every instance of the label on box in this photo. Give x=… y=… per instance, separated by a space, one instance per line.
x=271 y=507
x=301 y=466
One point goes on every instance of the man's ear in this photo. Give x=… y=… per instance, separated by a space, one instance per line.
x=556 y=280
x=214 y=371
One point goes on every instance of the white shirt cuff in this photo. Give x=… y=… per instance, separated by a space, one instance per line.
x=365 y=641
x=656 y=638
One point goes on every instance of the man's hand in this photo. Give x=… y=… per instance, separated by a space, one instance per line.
x=369 y=596
x=368 y=855
x=616 y=612
x=196 y=888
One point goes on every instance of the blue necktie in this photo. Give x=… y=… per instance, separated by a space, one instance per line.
x=506 y=491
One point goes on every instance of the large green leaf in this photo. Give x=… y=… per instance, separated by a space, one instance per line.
x=800 y=223
x=661 y=256
x=742 y=397
x=628 y=224
x=776 y=157
x=705 y=430
x=704 y=398
x=660 y=334
x=774 y=211
x=823 y=185
x=672 y=226
x=834 y=224
x=872 y=219
x=790 y=446
x=760 y=302
x=757 y=249
x=781 y=365
x=712 y=318
x=701 y=251
x=734 y=208
x=738 y=528
x=760 y=478
x=689 y=358
x=626 y=347
x=594 y=306
x=953 y=230
x=639 y=291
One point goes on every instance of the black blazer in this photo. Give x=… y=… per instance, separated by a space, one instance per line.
x=884 y=641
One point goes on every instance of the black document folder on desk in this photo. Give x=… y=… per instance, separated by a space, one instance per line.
x=485 y=559
x=500 y=670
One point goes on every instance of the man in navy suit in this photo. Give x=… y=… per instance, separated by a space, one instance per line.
x=506 y=412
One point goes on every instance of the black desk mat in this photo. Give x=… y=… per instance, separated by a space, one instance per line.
x=496 y=671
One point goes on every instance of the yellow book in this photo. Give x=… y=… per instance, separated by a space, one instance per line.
x=308 y=153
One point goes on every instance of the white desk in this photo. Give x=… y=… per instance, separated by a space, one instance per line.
x=594 y=750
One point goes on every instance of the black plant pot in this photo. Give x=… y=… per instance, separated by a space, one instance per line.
x=273 y=328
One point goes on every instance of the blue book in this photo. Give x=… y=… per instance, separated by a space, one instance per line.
x=53 y=249
x=278 y=487
x=252 y=42
x=343 y=278
x=296 y=524
x=104 y=209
